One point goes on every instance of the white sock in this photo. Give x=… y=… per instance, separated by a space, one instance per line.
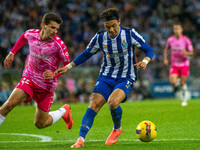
x=117 y=129
x=80 y=137
x=2 y=118
x=184 y=89
x=56 y=115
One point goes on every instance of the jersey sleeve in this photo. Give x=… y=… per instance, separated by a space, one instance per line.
x=19 y=44
x=62 y=50
x=28 y=33
x=136 y=38
x=23 y=39
x=167 y=44
x=93 y=46
x=62 y=53
x=148 y=50
x=189 y=46
x=139 y=42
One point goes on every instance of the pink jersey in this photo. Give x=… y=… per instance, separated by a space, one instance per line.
x=176 y=46
x=44 y=55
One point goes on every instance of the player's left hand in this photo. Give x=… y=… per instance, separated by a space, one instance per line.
x=141 y=65
x=184 y=52
x=8 y=60
x=48 y=74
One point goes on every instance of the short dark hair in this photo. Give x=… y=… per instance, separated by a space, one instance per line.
x=177 y=23
x=48 y=17
x=109 y=14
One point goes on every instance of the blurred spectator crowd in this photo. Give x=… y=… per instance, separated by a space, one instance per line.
x=153 y=19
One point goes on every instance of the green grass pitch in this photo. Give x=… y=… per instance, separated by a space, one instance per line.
x=178 y=127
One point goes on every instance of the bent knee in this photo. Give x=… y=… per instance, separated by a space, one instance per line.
x=95 y=107
x=96 y=102
x=39 y=125
x=173 y=82
x=112 y=104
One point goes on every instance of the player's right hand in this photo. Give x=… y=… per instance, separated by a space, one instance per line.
x=61 y=70
x=48 y=75
x=166 y=62
x=8 y=60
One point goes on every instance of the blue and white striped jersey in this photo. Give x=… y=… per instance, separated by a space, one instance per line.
x=119 y=57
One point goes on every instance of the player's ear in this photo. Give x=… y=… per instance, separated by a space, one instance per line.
x=119 y=21
x=42 y=25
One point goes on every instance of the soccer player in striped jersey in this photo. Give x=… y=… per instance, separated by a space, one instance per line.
x=47 y=51
x=118 y=71
x=181 y=48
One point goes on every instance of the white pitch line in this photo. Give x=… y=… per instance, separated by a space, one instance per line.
x=134 y=140
x=49 y=139
x=42 y=137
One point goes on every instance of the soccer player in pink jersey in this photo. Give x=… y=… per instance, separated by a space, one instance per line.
x=181 y=48
x=47 y=51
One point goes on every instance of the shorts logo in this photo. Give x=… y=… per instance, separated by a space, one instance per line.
x=97 y=83
x=128 y=84
x=24 y=80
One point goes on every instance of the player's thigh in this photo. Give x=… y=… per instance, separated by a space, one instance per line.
x=41 y=116
x=17 y=96
x=173 y=79
x=184 y=74
x=96 y=101
x=183 y=80
x=120 y=92
x=116 y=97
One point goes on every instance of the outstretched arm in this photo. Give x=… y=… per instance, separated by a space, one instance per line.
x=187 y=53
x=49 y=75
x=91 y=49
x=84 y=56
x=166 y=61
x=65 y=69
x=10 y=57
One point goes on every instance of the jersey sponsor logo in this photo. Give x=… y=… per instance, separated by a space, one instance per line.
x=108 y=55
x=124 y=44
x=38 y=56
x=116 y=55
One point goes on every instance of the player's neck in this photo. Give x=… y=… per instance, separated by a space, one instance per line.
x=43 y=35
x=178 y=36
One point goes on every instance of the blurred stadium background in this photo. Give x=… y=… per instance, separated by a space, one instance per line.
x=152 y=18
